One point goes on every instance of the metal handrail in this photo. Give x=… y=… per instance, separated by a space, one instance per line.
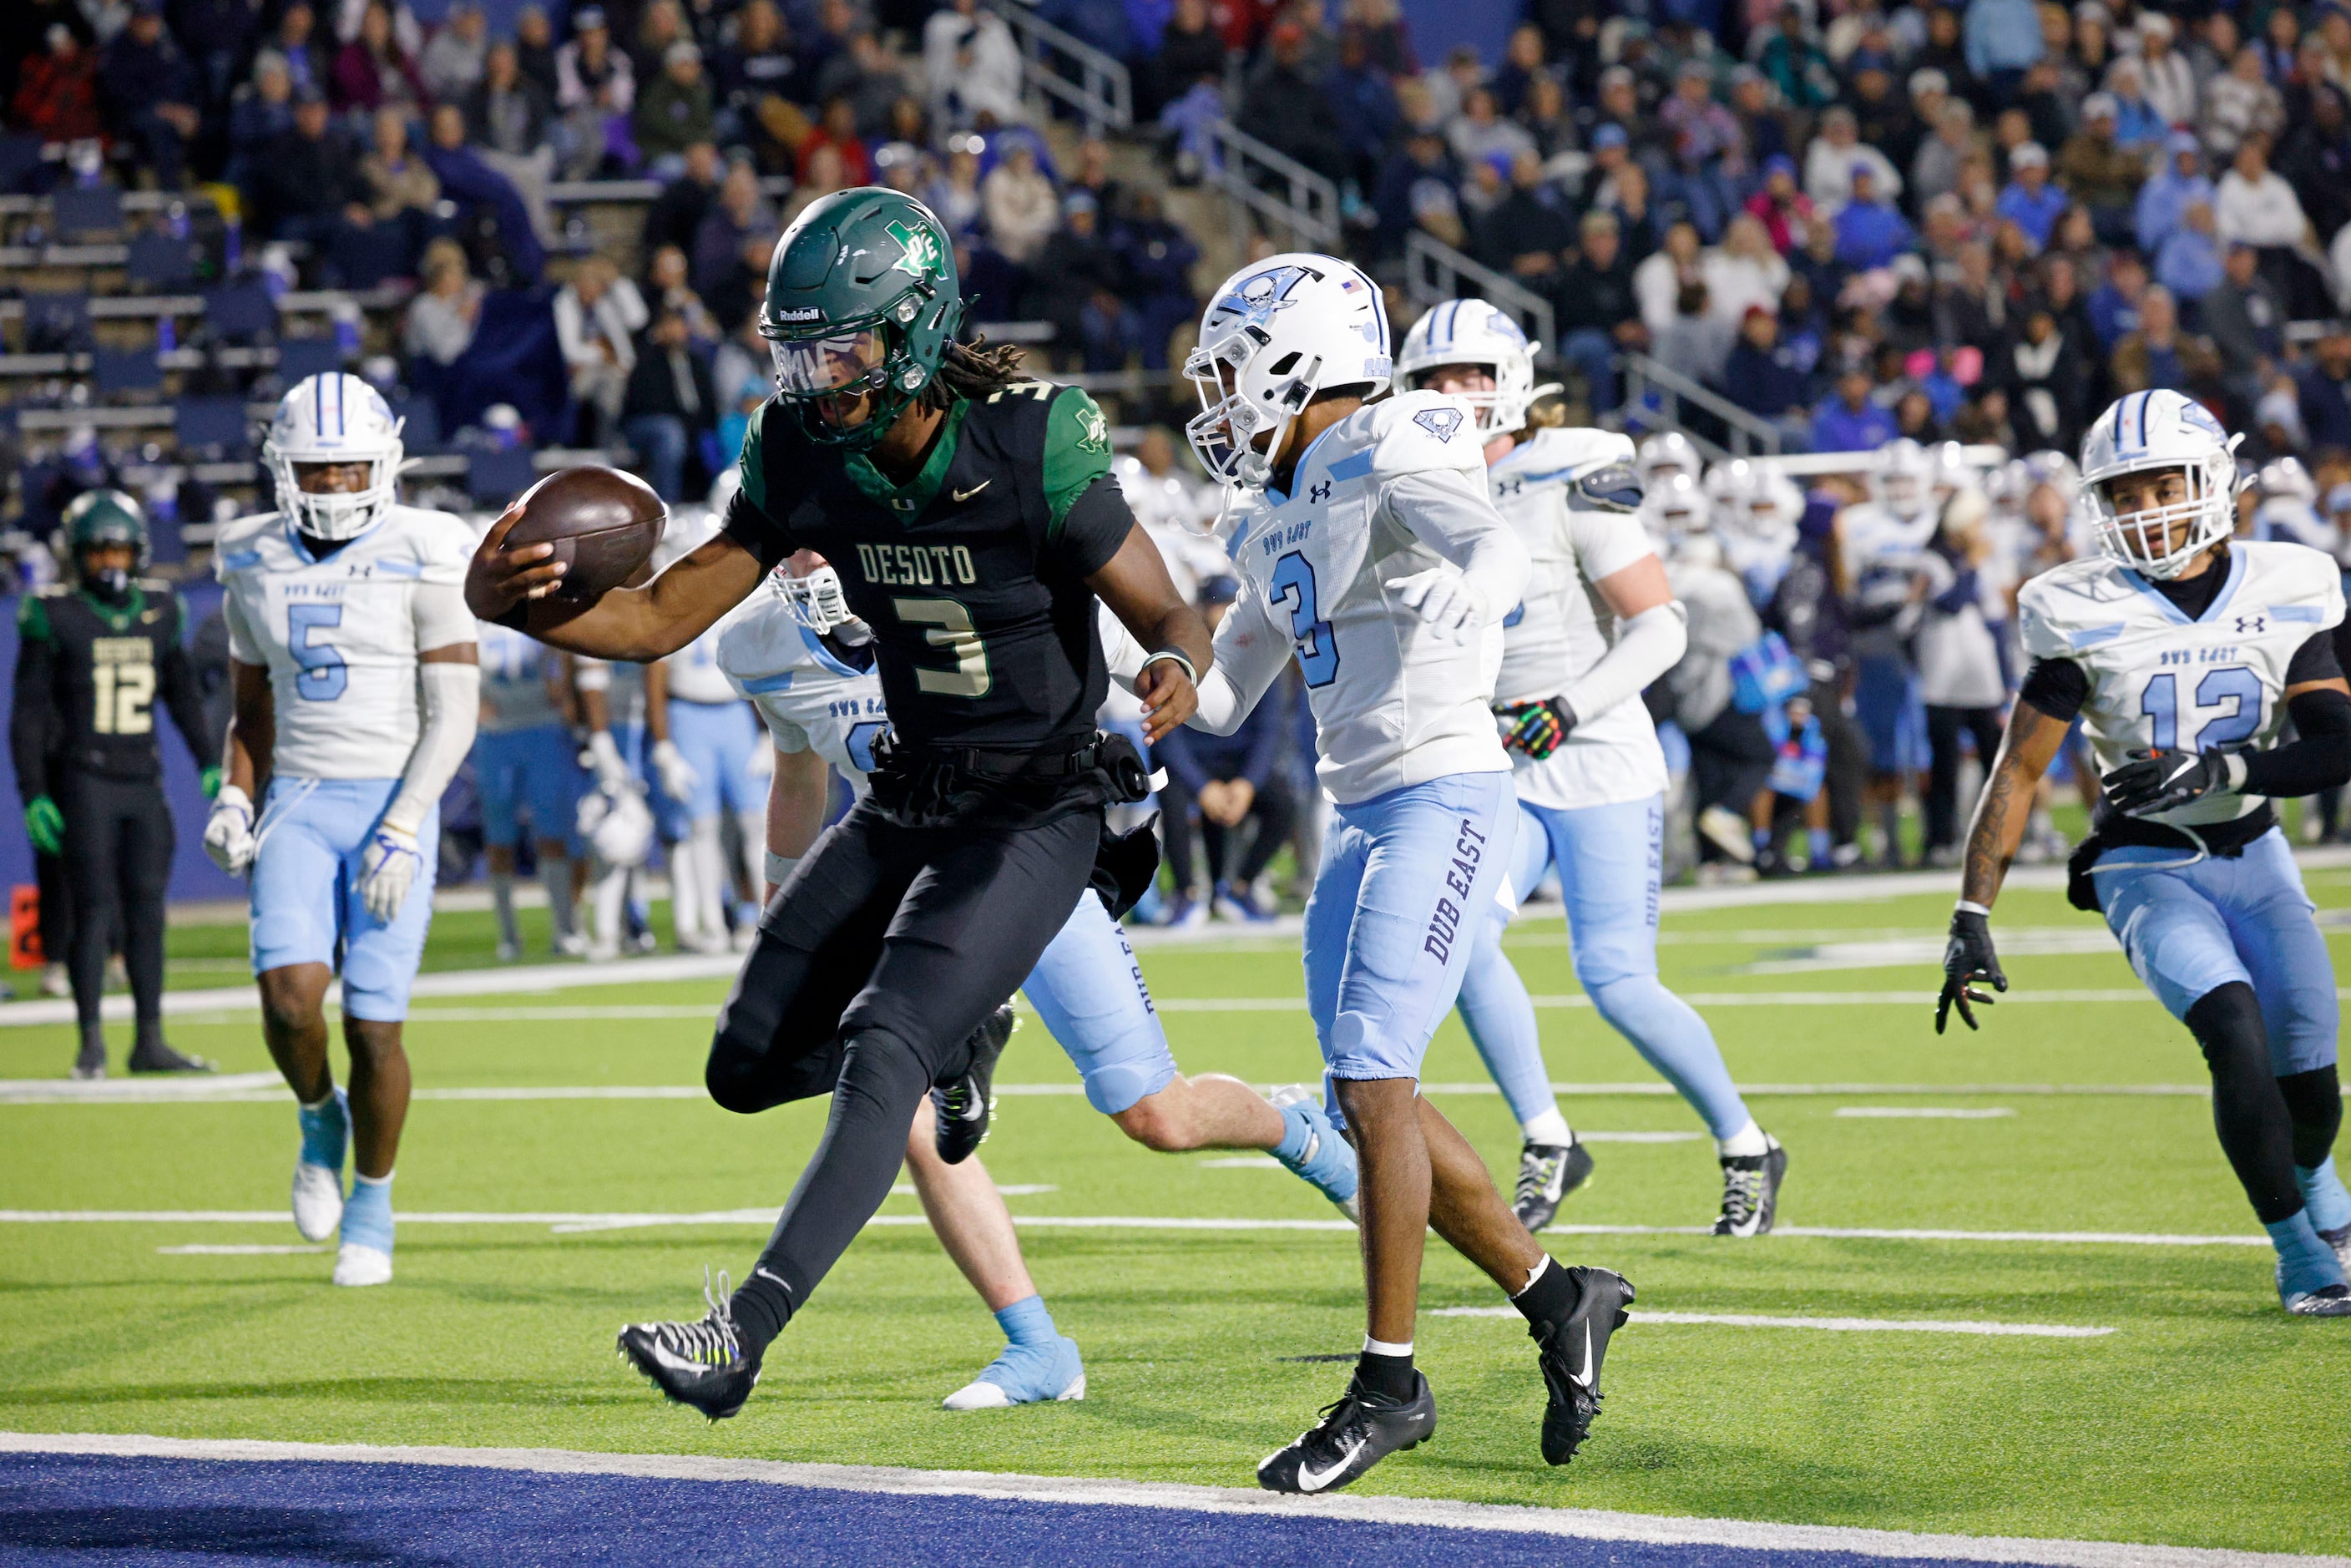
x=1247 y=170
x=1749 y=435
x=1434 y=271
x=1063 y=66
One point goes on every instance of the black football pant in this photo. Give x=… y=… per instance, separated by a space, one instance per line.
x=1944 y=728
x=1274 y=810
x=117 y=860
x=889 y=946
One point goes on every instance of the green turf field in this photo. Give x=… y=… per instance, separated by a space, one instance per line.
x=2206 y=1417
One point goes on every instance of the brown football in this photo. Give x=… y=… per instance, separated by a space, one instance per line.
x=603 y=524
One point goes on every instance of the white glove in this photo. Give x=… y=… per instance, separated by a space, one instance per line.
x=1445 y=600
x=612 y=773
x=228 y=832
x=676 y=774
x=388 y=868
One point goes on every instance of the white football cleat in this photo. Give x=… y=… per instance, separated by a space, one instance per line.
x=357 y=1264
x=318 y=1200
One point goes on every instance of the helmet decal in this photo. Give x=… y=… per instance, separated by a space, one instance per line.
x=919 y=249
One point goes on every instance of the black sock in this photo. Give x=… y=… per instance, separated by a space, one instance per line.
x=1550 y=1297
x=1390 y=1377
x=761 y=1307
x=2248 y=1110
x=2314 y=1101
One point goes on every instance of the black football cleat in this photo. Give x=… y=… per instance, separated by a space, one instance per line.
x=1570 y=1350
x=154 y=1056
x=962 y=1104
x=700 y=1363
x=1750 y=1191
x=90 y=1062
x=1547 y=1174
x=1355 y=1434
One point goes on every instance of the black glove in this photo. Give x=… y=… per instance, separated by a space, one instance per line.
x=1968 y=959
x=2159 y=780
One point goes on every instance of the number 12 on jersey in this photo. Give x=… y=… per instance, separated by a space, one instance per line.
x=2232 y=685
x=1318 y=649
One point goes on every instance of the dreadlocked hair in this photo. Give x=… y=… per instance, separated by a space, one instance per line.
x=973 y=371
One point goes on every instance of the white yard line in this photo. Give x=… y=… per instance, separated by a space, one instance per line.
x=1590 y=1524
x=1832 y=1325
x=567 y=1221
x=267 y=1089
x=200 y=1250
x=1923 y=1112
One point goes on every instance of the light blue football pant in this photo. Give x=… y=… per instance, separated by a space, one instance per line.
x=2189 y=929
x=718 y=740
x=1610 y=861
x=308 y=848
x=1087 y=989
x=1404 y=886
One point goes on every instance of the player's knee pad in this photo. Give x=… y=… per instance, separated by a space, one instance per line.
x=1116 y=1088
x=2227 y=1023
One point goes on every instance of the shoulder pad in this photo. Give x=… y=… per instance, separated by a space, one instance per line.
x=2073 y=607
x=1416 y=432
x=761 y=640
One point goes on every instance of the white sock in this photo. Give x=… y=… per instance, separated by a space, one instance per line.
x=1745 y=1144
x=502 y=900
x=383 y=1180
x=1382 y=1347
x=1532 y=1275
x=611 y=891
x=1548 y=1128
x=685 y=892
x=555 y=875
x=708 y=851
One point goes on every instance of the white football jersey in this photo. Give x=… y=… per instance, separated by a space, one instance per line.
x=810 y=700
x=1880 y=552
x=694 y=672
x=1563 y=627
x=1394 y=702
x=339 y=636
x=2159 y=679
x=514 y=680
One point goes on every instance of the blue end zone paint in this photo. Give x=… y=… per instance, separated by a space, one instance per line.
x=57 y=1508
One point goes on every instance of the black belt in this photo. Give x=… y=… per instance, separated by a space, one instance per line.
x=925 y=780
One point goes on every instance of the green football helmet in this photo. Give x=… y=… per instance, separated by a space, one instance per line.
x=862 y=298
x=106 y=517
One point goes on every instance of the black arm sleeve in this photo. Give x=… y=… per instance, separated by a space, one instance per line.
x=184 y=696
x=1095 y=528
x=2058 y=687
x=32 y=718
x=2313 y=661
x=2319 y=760
x=757 y=532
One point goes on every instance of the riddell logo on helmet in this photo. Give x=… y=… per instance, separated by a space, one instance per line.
x=801 y=313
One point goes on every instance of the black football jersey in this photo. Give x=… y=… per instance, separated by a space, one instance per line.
x=972 y=575
x=89 y=677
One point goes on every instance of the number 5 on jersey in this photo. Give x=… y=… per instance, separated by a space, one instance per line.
x=324 y=675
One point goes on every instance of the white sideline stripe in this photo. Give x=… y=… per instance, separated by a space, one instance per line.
x=268 y=1089
x=1833 y=1326
x=201 y=1250
x=766 y=1217
x=1589 y=1524
x=1926 y=1113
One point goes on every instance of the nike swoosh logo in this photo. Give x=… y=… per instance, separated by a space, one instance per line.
x=1584 y=1379
x=962 y=496
x=1309 y=1480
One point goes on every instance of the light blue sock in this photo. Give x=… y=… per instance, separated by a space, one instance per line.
x=326 y=1131
x=367 y=1213
x=1674 y=1040
x=2304 y=1263
x=2328 y=1205
x=1500 y=1018
x=1314 y=1151
x=1026 y=1321
x=1817 y=842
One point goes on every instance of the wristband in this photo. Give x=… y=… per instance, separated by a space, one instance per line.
x=1964 y=907
x=1172 y=657
x=780 y=868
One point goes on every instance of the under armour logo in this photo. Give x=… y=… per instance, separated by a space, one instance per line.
x=1319 y=491
x=2248 y=625
x=1441 y=422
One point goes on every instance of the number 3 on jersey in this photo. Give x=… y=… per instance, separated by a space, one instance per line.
x=2232 y=687
x=1318 y=650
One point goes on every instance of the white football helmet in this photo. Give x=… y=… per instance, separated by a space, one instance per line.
x=1275 y=333
x=817 y=601
x=617 y=825
x=1905 y=481
x=1772 y=507
x=1675 y=509
x=1664 y=455
x=333 y=418
x=2288 y=479
x=1473 y=332
x=1953 y=471
x=2148 y=431
x=1726 y=485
